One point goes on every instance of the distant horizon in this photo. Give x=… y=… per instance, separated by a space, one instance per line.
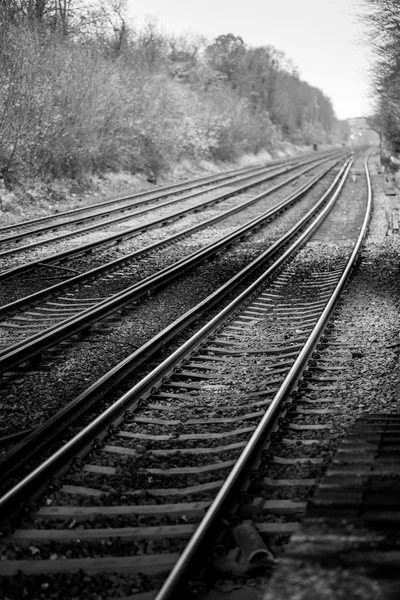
x=323 y=39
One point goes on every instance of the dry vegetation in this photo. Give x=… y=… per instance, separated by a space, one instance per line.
x=382 y=19
x=83 y=92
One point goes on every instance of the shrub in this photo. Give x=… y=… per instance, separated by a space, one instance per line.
x=72 y=105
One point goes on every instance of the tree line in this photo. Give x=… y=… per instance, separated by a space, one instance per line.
x=382 y=18
x=83 y=91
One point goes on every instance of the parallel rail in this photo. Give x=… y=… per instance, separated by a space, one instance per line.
x=179 y=575
x=31 y=347
x=10 y=308
x=252 y=180
x=54 y=427
x=167 y=377
x=164 y=369
x=148 y=195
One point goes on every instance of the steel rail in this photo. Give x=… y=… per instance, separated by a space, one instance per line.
x=253 y=180
x=147 y=195
x=6 y=309
x=58 y=423
x=91 y=217
x=176 y=579
x=27 y=349
x=80 y=441
x=161 y=191
x=83 y=248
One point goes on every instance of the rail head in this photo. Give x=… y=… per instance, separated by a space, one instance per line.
x=86 y=435
x=29 y=348
x=177 y=579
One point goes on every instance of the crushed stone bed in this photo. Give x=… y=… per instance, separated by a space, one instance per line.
x=156 y=213
x=33 y=398
x=366 y=352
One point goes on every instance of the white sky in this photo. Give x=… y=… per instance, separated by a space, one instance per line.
x=322 y=37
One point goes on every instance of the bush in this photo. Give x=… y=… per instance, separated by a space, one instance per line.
x=71 y=105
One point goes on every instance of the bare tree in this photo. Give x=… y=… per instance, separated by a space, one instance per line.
x=382 y=18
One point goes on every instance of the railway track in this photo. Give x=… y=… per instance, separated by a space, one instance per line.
x=38 y=225
x=22 y=231
x=68 y=298
x=54 y=221
x=104 y=232
x=48 y=276
x=34 y=349
x=162 y=471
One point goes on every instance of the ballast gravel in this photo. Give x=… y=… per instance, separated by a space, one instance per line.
x=364 y=343
x=129 y=221
x=33 y=398
x=132 y=270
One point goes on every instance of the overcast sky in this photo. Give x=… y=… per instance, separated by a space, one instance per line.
x=322 y=37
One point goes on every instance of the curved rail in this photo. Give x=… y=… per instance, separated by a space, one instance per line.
x=123 y=479
x=17 y=304
x=75 y=445
x=57 y=424
x=110 y=211
x=156 y=194
x=27 y=349
x=178 y=575
x=252 y=180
